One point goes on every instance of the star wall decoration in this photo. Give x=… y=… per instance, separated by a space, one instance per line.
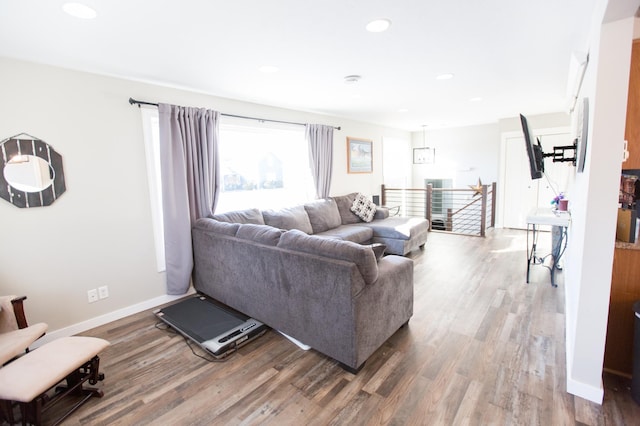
x=477 y=188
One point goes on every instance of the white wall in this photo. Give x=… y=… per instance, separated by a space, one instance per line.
x=463 y=154
x=99 y=231
x=468 y=153
x=396 y=156
x=594 y=203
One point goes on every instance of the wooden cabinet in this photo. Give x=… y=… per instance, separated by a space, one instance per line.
x=625 y=290
x=632 y=130
x=625 y=279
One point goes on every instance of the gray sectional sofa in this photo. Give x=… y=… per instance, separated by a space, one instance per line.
x=312 y=273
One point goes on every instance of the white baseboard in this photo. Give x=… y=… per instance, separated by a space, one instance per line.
x=575 y=387
x=584 y=391
x=107 y=318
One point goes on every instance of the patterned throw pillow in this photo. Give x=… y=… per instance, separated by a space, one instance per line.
x=364 y=208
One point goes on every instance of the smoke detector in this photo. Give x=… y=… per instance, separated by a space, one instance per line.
x=352 y=79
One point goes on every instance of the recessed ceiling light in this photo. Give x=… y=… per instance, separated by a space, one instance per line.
x=446 y=76
x=403 y=110
x=352 y=79
x=476 y=99
x=378 y=25
x=79 y=10
x=268 y=69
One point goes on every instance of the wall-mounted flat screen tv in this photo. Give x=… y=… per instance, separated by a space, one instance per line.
x=534 y=150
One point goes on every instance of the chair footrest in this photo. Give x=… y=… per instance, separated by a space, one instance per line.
x=28 y=379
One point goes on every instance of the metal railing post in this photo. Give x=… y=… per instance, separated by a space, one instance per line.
x=428 y=204
x=483 y=211
x=493 y=205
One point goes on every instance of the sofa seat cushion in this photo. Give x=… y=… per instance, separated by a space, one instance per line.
x=323 y=215
x=362 y=256
x=295 y=217
x=401 y=228
x=357 y=234
x=263 y=234
x=241 y=216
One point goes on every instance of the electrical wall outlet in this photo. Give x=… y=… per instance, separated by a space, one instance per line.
x=103 y=292
x=92 y=295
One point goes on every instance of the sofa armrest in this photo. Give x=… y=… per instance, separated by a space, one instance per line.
x=381 y=213
x=383 y=306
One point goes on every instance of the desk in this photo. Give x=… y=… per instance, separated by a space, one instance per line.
x=559 y=222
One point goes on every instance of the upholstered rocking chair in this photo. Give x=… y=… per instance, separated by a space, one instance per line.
x=27 y=379
x=15 y=334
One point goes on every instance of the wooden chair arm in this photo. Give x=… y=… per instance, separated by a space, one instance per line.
x=18 y=310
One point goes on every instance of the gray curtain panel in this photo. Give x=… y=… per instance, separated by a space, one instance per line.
x=190 y=182
x=320 y=139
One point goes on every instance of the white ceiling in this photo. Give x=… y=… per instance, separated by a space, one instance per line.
x=514 y=54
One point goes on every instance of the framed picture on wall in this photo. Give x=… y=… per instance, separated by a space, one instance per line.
x=359 y=155
x=424 y=155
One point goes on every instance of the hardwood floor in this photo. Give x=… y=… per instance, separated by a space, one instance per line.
x=483 y=347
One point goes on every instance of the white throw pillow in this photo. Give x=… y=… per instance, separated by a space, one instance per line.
x=364 y=208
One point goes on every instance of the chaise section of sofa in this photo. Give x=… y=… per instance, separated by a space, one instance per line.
x=331 y=294
x=401 y=235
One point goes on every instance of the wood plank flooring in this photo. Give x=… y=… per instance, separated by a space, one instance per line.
x=483 y=347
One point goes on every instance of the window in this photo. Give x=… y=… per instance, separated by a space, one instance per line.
x=151 y=132
x=262 y=165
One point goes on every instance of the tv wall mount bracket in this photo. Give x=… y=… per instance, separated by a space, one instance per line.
x=562 y=154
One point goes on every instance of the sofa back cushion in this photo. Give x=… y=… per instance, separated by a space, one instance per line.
x=362 y=256
x=323 y=215
x=224 y=228
x=344 y=203
x=288 y=218
x=241 y=216
x=263 y=234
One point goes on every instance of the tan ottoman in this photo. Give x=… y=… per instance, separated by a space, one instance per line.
x=27 y=379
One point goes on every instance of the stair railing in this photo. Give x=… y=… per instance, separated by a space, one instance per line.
x=462 y=211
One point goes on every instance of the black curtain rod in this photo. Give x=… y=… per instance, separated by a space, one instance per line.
x=133 y=101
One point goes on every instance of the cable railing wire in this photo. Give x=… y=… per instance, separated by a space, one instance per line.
x=460 y=211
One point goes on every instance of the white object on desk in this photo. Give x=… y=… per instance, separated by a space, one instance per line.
x=540 y=216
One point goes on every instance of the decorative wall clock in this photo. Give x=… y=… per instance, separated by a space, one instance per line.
x=31 y=173
x=582 y=133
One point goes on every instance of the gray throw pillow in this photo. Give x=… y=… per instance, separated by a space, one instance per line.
x=263 y=234
x=241 y=216
x=378 y=250
x=289 y=218
x=344 y=203
x=323 y=215
x=217 y=227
